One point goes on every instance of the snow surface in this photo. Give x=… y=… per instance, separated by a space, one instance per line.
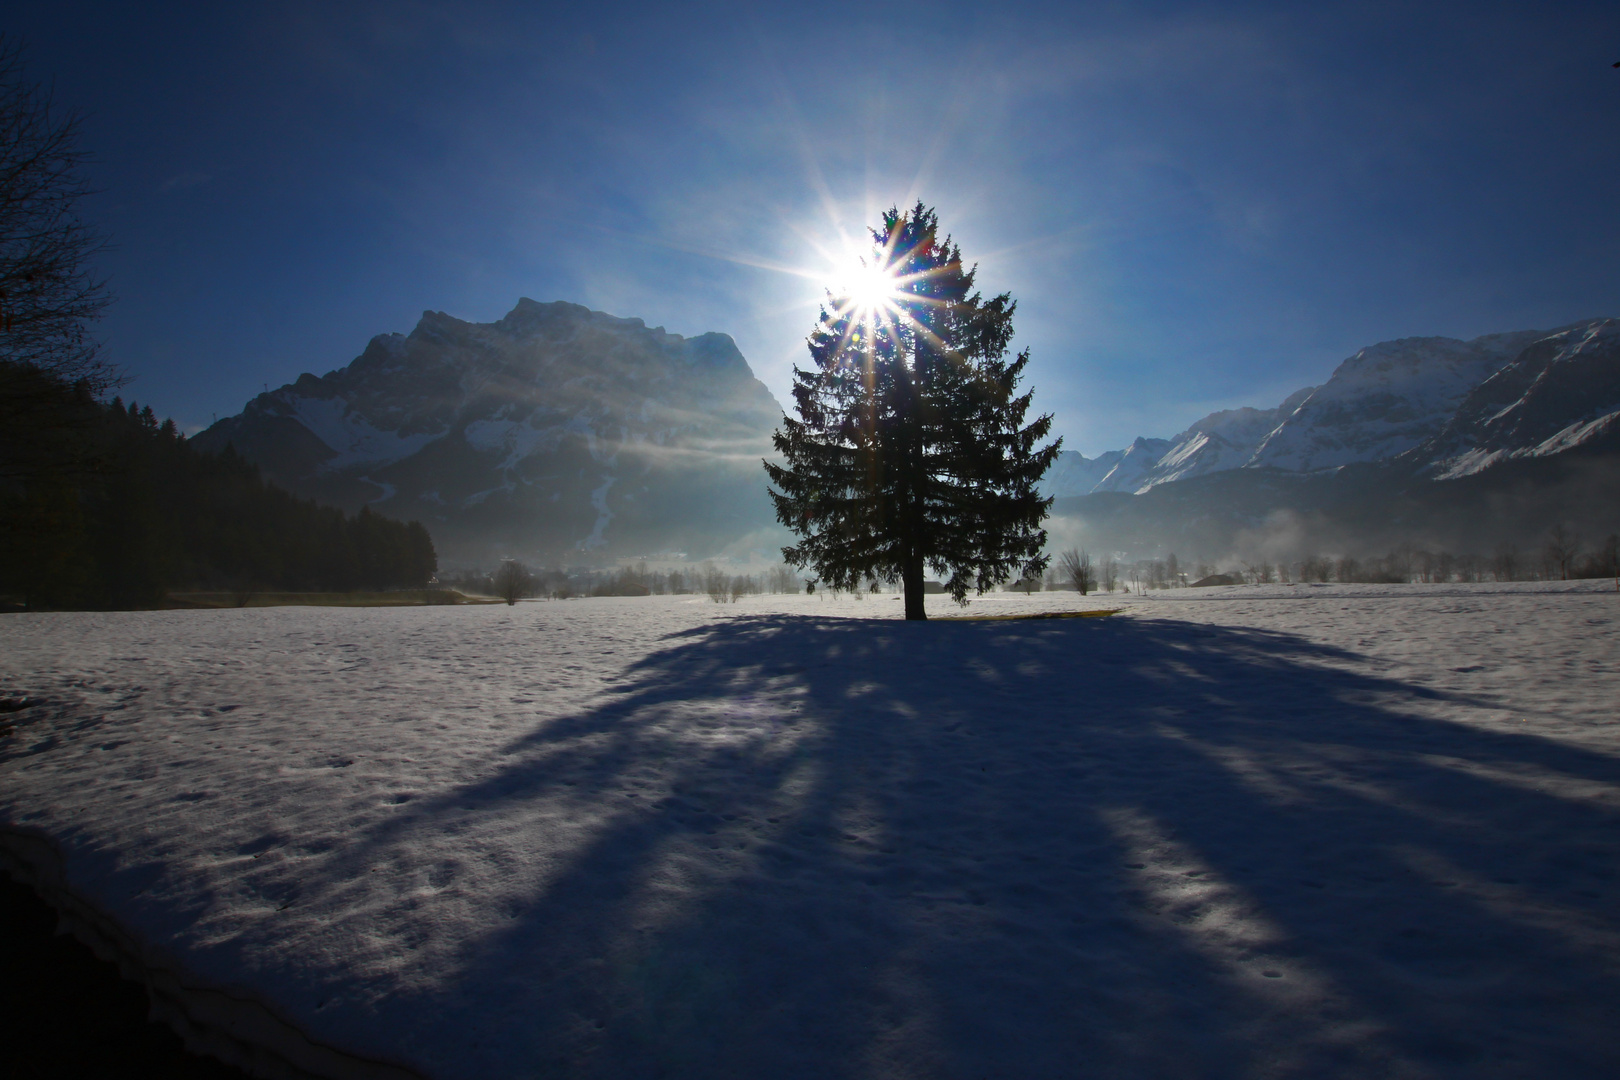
x=1316 y=831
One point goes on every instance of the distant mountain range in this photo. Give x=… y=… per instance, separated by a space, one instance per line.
x=555 y=434
x=1460 y=444
x=1444 y=407
x=561 y=434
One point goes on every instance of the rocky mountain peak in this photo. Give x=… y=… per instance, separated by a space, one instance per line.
x=1448 y=406
x=546 y=430
x=1561 y=391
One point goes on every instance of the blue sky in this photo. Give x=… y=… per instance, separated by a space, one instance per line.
x=1196 y=205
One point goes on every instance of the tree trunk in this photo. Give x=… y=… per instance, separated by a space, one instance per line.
x=912 y=583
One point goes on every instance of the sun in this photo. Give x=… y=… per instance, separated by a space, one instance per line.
x=872 y=286
x=867 y=289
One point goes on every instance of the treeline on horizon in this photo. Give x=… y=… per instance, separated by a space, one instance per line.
x=1563 y=556
x=102 y=506
x=513 y=580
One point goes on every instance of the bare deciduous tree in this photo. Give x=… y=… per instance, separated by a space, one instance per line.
x=716 y=583
x=1505 y=563
x=1076 y=568
x=513 y=582
x=48 y=293
x=1561 y=548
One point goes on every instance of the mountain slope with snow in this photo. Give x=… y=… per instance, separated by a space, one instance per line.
x=554 y=430
x=558 y=433
x=1075 y=474
x=1385 y=400
x=1561 y=392
x=1221 y=440
x=1134 y=466
x=1458 y=445
x=1448 y=406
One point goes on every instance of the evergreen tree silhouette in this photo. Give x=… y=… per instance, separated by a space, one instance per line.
x=910 y=448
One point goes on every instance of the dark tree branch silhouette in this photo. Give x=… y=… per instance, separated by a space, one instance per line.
x=48 y=293
x=50 y=370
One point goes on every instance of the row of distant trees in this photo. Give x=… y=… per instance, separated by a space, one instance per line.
x=514 y=581
x=1561 y=556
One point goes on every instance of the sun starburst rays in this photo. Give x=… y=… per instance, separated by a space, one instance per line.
x=876 y=297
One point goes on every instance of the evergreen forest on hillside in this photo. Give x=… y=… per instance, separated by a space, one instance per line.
x=102 y=506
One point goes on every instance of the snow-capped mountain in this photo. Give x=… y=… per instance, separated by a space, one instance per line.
x=1385 y=400
x=552 y=431
x=1075 y=474
x=558 y=432
x=1221 y=440
x=1135 y=465
x=1444 y=406
x=1561 y=392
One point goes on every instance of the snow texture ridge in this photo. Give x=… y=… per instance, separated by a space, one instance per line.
x=1297 y=831
x=222 y=1023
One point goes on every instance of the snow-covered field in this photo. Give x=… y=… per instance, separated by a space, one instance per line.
x=1252 y=832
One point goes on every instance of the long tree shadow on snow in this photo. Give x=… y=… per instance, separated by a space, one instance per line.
x=832 y=847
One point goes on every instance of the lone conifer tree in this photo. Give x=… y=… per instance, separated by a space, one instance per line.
x=910 y=447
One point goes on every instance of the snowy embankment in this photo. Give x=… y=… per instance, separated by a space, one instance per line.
x=1288 y=831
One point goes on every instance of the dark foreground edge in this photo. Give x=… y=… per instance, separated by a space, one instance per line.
x=245 y=1034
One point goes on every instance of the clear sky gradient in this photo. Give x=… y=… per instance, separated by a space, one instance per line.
x=1196 y=205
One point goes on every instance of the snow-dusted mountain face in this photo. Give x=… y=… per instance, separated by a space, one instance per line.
x=1446 y=407
x=1075 y=474
x=1222 y=440
x=1384 y=401
x=1561 y=392
x=1135 y=465
x=557 y=432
